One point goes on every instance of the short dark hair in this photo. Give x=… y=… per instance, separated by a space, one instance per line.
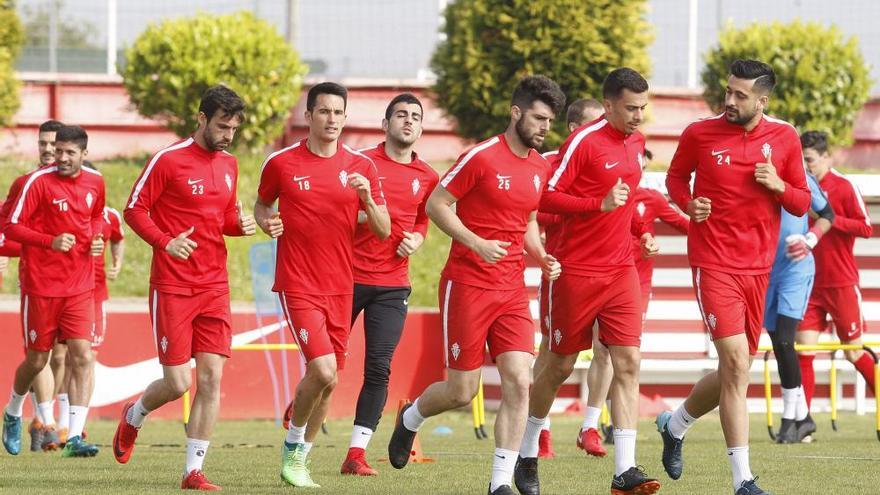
x=538 y=88
x=648 y=154
x=220 y=97
x=407 y=98
x=326 y=88
x=623 y=78
x=761 y=73
x=576 y=109
x=817 y=140
x=72 y=134
x=51 y=126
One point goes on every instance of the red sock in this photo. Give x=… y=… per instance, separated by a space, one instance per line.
x=865 y=366
x=808 y=376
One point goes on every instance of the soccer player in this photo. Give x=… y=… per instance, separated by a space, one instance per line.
x=56 y=218
x=791 y=280
x=599 y=376
x=381 y=278
x=320 y=185
x=601 y=163
x=496 y=188
x=182 y=205
x=44 y=432
x=747 y=164
x=836 y=288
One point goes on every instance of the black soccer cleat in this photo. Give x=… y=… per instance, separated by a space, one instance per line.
x=501 y=490
x=750 y=488
x=672 y=458
x=634 y=482
x=805 y=428
x=401 y=443
x=525 y=476
x=788 y=432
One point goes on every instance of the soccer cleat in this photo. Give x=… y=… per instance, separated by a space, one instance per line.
x=50 y=439
x=36 y=431
x=125 y=436
x=805 y=429
x=288 y=413
x=196 y=480
x=787 y=432
x=401 y=443
x=293 y=466
x=672 y=458
x=356 y=463
x=545 y=445
x=590 y=442
x=77 y=447
x=12 y=433
x=634 y=482
x=525 y=476
x=501 y=490
x=62 y=436
x=750 y=488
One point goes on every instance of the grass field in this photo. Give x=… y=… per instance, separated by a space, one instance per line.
x=244 y=458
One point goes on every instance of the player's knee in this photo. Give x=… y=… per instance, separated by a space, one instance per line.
x=58 y=359
x=735 y=367
x=37 y=360
x=377 y=374
x=323 y=375
x=209 y=381
x=178 y=384
x=461 y=395
x=853 y=355
x=517 y=387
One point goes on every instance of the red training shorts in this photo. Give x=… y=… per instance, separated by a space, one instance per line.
x=47 y=319
x=319 y=324
x=844 y=304
x=185 y=324
x=731 y=304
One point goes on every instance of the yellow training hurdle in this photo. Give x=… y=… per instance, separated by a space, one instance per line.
x=831 y=347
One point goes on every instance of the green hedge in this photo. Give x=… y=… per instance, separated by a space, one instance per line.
x=11 y=38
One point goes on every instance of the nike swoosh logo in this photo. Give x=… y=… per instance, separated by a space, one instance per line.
x=618 y=482
x=58 y=201
x=499 y=176
x=500 y=456
x=297 y=178
x=610 y=165
x=115 y=384
x=191 y=182
x=716 y=153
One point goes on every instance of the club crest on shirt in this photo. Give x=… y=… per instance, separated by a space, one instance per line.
x=712 y=321
x=304 y=335
x=164 y=344
x=228 y=182
x=766 y=150
x=343 y=178
x=537 y=182
x=416 y=185
x=89 y=199
x=455 y=349
x=641 y=208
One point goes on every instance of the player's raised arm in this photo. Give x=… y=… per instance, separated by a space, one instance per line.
x=144 y=193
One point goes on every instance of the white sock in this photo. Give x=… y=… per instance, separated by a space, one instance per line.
x=802 y=410
x=47 y=412
x=16 y=404
x=137 y=414
x=739 y=465
x=78 y=416
x=680 y=422
x=296 y=434
x=195 y=454
x=624 y=450
x=502 y=468
x=546 y=426
x=360 y=437
x=529 y=446
x=789 y=403
x=63 y=411
x=591 y=418
x=412 y=418
x=307 y=447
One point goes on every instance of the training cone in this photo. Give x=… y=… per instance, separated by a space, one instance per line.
x=416 y=454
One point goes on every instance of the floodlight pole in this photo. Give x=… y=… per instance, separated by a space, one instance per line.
x=292 y=20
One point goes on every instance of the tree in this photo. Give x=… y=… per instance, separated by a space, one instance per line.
x=11 y=37
x=491 y=44
x=171 y=65
x=821 y=79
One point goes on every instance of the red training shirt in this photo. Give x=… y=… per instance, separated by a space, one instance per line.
x=406 y=187
x=50 y=205
x=835 y=261
x=650 y=205
x=497 y=192
x=183 y=186
x=742 y=229
x=319 y=210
